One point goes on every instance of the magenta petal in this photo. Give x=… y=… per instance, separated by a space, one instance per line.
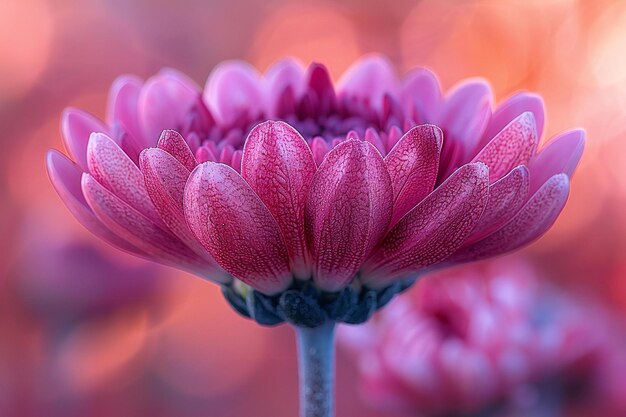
x=165 y=179
x=465 y=114
x=413 y=164
x=136 y=228
x=506 y=197
x=434 y=229
x=560 y=155
x=348 y=211
x=234 y=225
x=513 y=146
x=112 y=168
x=533 y=220
x=65 y=176
x=511 y=109
x=368 y=80
x=234 y=90
x=285 y=74
x=279 y=166
x=421 y=93
x=319 y=147
x=122 y=114
x=321 y=85
x=173 y=143
x=164 y=103
x=76 y=126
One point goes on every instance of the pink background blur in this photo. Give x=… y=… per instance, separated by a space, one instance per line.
x=175 y=348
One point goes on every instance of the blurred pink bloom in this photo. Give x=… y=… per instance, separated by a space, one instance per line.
x=283 y=175
x=487 y=340
x=74 y=280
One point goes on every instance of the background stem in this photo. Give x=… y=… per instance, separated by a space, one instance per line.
x=316 y=364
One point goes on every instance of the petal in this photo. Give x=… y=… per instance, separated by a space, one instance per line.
x=533 y=220
x=164 y=103
x=76 y=126
x=112 y=168
x=368 y=80
x=234 y=225
x=278 y=165
x=122 y=114
x=465 y=115
x=506 y=197
x=165 y=179
x=321 y=86
x=511 y=109
x=560 y=155
x=513 y=146
x=320 y=148
x=413 y=164
x=137 y=229
x=233 y=91
x=173 y=143
x=65 y=176
x=434 y=229
x=422 y=94
x=285 y=74
x=348 y=211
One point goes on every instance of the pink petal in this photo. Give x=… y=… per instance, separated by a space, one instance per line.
x=137 y=229
x=421 y=92
x=533 y=220
x=465 y=115
x=513 y=146
x=173 y=143
x=285 y=74
x=560 y=155
x=279 y=166
x=233 y=91
x=165 y=179
x=319 y=147
x=164 y=103
x=434 y=229
x=112 y=168
x=511 y=109
x=348 y=211
x=321 y=85
x=413 y=164
x=368 y=80
x=65 y=176
x=506 y=197
x=76 y=126
x=234 y=225
x=122 y=114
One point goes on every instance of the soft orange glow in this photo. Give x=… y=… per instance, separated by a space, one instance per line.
x=194 y=358
x=97 y=353
x=24 y=44
x=314 y=38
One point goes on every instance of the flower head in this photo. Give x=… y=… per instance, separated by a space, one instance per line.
x=488 y=340
x=285 y=181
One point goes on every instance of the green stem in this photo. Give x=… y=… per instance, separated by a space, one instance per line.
x=316 y=364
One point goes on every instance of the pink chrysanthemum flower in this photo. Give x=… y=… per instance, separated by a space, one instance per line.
x=281 y=178
x=308 y=202
x=487 y=341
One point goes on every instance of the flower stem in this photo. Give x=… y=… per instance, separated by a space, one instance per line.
x=316 y=364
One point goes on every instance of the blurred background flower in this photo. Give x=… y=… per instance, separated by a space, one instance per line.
x=490 y=340
x=172 y=359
